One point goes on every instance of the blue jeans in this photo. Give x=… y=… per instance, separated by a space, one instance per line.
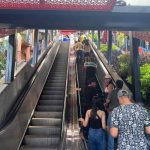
x=110 y=145
x=96 y=139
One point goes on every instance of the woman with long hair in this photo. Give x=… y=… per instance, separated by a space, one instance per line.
x=96 y=119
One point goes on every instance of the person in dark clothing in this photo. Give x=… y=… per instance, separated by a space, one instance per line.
x=90 y=91
x=96 y=120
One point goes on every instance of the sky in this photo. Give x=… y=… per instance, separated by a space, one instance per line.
x=138 y=2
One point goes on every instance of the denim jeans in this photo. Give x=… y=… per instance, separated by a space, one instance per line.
x=96 y=139
x=110 y=144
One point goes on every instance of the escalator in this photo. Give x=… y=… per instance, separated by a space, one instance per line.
x=44 y=130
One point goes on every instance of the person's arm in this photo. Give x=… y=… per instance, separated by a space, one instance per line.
x=86 y=120
x=114 y=123
x=110 y=87
x=114 y=132
x=147 y=122
x=103 y=117
x=108 y=100
x=147 y=129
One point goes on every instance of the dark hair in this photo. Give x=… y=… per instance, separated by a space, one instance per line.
x=110 y=82
x=119 y=84
x=87 y=42
x=94 y=108
x=97 y=105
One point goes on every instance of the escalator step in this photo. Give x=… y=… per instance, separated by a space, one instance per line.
x=44 y=130
x=41 y=140
x=55 y=78
x=39 y=148
x=47 y=92
x=51 y=102
x=46 y=122
x=55 y=108
x=47 y=114
x=55 y=84
x=52 y=97
x=54 y=88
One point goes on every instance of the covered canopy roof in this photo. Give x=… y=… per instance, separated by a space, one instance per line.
x=120 y=18
x=93 y=5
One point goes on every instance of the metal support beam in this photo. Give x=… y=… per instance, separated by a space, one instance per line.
x=134 y=44
x=92 y=36
x=110 y=47
x=46 y=38
x=35 y=50
x=98 y=42
x=52 y=35
x=10 y=62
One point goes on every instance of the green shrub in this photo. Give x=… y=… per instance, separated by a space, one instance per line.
x=145 y=79
x=2 y=61
x=104 y=48
x=124 y=65
x=95 y=37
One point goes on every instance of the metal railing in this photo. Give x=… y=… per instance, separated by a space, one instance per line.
x=63 y=126
x=78 y=92
x=108 y=68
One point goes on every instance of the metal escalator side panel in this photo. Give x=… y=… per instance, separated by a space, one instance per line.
x=11 y=136
x=44 y=131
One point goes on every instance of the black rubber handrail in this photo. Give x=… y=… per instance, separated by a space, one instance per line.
x=63 y=125
x=78 y=91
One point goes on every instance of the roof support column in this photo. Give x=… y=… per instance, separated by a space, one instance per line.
x=46 y=38
x=92 y=35
x=134 y=44
x=52 y=35
x=110 y=47
x=10 y=62
x=35 y=50
x=98 y=42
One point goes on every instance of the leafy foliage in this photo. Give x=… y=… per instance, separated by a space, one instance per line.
x=95 y=37
x=2 y=61
x=104 y=48
x=124 y=65
x=145 y=79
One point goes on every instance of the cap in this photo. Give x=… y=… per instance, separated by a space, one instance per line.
x=123 y=93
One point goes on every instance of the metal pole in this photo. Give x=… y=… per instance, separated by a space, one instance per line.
x=92 y=35
x=134 y=44
x=10 y=62
x=98 y=42
x=46 y=34
x=110 y=47
x=52 y=36
x=35 y=50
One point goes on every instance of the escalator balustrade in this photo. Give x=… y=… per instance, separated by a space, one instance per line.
x=44 y=130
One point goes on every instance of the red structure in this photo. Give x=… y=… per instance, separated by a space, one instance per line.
x=145 y=36
x=92 y=5
x=67 y=32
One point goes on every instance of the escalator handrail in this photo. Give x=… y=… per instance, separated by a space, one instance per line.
x=109 y=68
x=65 y=101
x=78 y=91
